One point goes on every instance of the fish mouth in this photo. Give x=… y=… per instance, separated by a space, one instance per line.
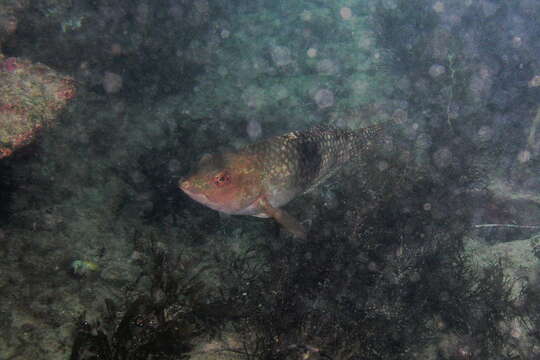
x=184 y=185
x=198 y=196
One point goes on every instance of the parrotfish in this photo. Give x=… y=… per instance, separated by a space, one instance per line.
x=262 y=177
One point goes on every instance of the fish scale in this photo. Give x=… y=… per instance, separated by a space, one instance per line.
x=260 y=178
x=304 y=159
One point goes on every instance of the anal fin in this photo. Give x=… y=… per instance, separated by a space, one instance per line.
x=284 y=219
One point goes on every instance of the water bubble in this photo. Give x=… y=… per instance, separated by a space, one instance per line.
x=254 y=129
x=399 y=116
x=423 y=141
x=259 y=65
x=360 y=88
x=477 y=85
x=484 y=72
x=485 y=133
x=324 y=98
x=112 y=83
x=225 y=34
x=488 y=8
x=438 y=7
x=327 y=67
x=345 y=13
x=279 y=92
x=481 y=82
x=524 y=156
x=253 y=97
x=365 y=42
x=421 y=85
x=535 y=81
x=389 y=4
x=312 y=52
x=436 y=70
x=281 y=55
x=439 y=44
x=222 y=71
x=404 y=84
x=442 y=157
x=306 y=15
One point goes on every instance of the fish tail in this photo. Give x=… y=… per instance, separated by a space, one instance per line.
x=368 y=137
x=380 y=134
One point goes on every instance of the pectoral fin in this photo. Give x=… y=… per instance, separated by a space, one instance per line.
x=283 y=218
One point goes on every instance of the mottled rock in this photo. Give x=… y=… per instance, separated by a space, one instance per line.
x=31 y=96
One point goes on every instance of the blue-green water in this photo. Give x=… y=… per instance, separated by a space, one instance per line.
x=425 y=248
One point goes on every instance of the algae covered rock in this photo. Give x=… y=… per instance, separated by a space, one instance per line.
x=31 y=96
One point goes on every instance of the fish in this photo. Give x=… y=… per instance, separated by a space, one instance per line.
x=260 y=178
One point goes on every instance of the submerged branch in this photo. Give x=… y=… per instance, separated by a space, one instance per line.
x=507 y=226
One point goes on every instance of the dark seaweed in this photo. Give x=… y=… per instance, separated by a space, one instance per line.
x=159 y=325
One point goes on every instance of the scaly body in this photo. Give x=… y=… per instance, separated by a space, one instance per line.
x=262 y=177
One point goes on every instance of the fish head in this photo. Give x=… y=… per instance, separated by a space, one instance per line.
x=229 y=183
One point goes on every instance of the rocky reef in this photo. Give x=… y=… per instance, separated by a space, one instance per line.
x=31 y=97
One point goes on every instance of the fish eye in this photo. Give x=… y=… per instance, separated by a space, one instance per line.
x=221 y=179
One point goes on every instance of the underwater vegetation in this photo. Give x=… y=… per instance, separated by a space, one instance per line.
x=159 y=325
x=391 y=283
x=385 y=280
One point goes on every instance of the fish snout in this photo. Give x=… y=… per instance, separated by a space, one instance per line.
x=191 y=190
x=185 y=184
